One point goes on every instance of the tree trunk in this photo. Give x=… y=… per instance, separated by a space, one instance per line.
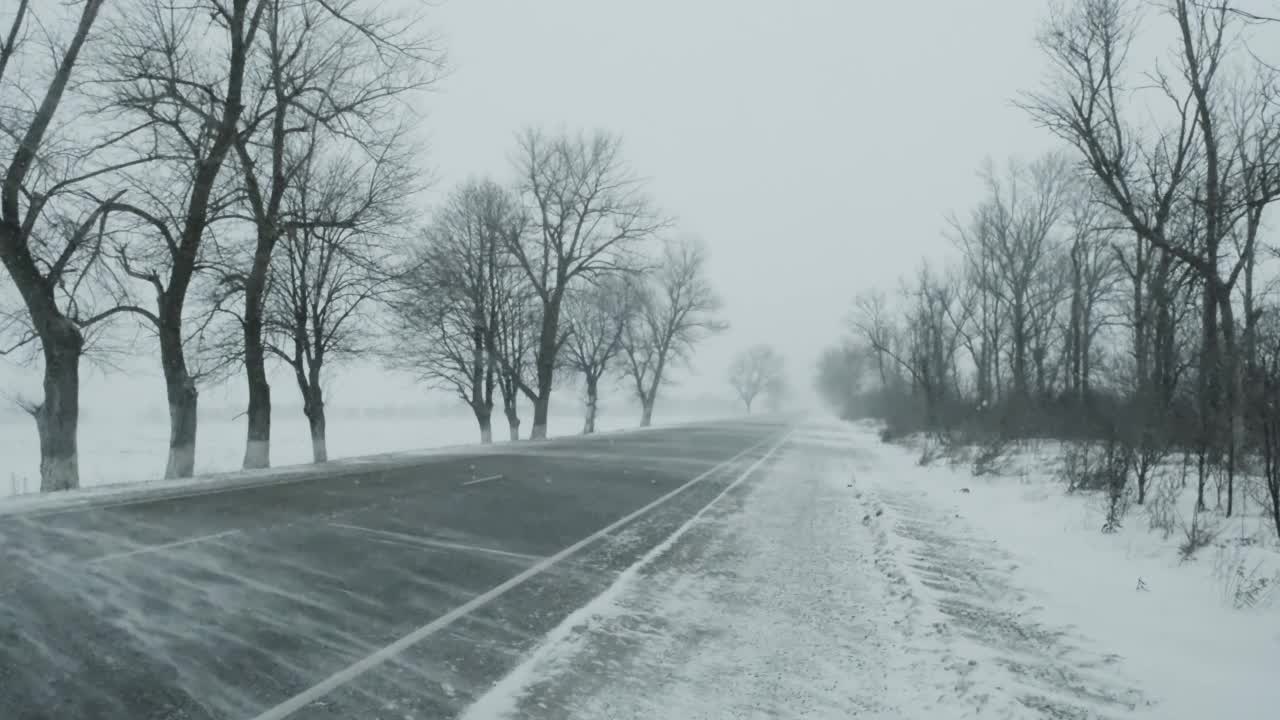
x=541 y=409
x=180 y=389
x=1209 y=386
x=545 y=363
x=313 y=409
x=512 y=412
x=646 y=413
x=1233 y=368
x=319 y=440
x=183 y=419
x=541 y=405
x=257 y=451
x=484 y=417
x=513 y=424
x=589 y=426
x=1021 y=383
x=1274 y=489
x=58 y=416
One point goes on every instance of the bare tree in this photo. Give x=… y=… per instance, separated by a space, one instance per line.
x=517 y=337
x=755 y=371
x=1021 y=213
x=452 y=327
x=597 y=317
x=840 y=378
x=332 y=77
x=874 y=325
x=323 y=283
x=1174 y=186
x=1092 y=278
x=180 y=68
x=590 y=217
x=51 y=233
x=678 y=309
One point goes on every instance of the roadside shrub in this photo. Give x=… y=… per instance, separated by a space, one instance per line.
x=1196 y=536
x=1087 y=467
x=1162 y=507
x=991 y=454
x=1245 y=585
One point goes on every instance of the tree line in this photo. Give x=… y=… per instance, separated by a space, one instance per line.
x=240 y=180
x=1121 y=287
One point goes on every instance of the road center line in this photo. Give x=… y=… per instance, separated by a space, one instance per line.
x=367 y=663
x=161 y=548
x=432 y=542
x=483 y=479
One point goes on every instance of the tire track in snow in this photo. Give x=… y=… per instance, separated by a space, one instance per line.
x=1006 y=661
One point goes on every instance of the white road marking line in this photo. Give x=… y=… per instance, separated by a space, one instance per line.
x=367 y=663
x=432 y=542
x=161 y=548
x=483 y=479
x=591 y=607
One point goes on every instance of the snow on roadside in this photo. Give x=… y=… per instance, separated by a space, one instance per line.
x=367 y=442
x=1177 y=639
x=115 y=453
x=848 y=581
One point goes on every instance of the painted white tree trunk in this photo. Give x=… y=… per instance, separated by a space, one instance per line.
x=257 y=454
x=319 y=446
x=182 y=460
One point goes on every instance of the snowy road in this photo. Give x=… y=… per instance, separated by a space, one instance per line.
x=395 y=590
x=816 y=589
x=731 y=570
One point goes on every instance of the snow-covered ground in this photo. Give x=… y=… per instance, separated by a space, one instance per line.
x=1180 y=628
x=845 y=580
x=125 y=450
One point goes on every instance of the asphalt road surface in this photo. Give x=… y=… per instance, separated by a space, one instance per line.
x=397 y=591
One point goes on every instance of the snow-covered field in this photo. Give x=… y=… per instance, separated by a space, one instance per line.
x=125 y=450
x=845 y=580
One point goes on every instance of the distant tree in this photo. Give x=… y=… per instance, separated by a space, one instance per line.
x=518 y=324
x=756 y=370
x=777 y=394
x=324 y=283
x=452 y=324
x=597 y=318
x=590 y=217
x=840 y=378
x=678 y=309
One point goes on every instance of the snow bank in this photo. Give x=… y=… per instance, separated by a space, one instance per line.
x=123 y=458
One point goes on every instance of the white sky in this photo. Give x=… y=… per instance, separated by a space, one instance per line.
x=816 y=145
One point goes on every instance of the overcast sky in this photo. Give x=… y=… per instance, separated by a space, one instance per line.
x=816 y=145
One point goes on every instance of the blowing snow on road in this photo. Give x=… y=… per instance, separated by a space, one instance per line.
x=716 y=570
x=827 y=584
